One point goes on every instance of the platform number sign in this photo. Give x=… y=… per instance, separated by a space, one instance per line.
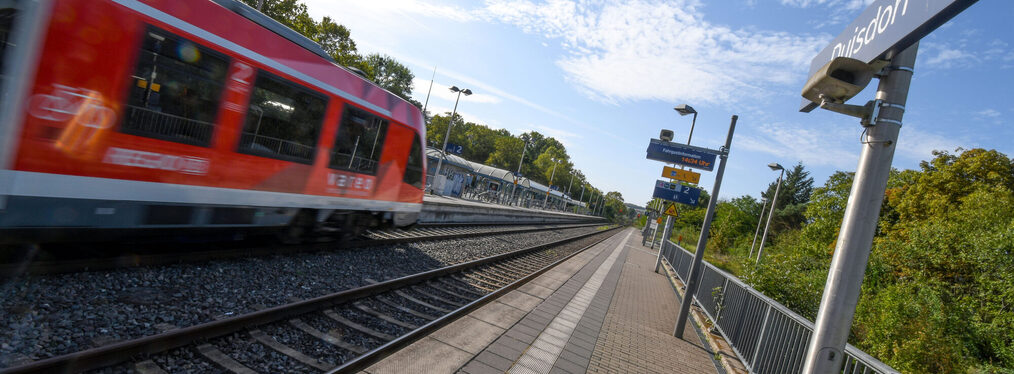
x=454 y=148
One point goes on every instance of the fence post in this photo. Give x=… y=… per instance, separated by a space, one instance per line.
x=760 y=339
x=721 y=302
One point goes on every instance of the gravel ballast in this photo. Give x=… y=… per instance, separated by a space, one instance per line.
x=50 y=315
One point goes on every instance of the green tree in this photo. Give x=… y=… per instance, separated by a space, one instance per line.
x=797 y=185
x=506 y=153
x=390 y=74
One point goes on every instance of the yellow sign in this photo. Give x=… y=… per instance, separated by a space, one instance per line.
x=680 y=174
x=671 y=210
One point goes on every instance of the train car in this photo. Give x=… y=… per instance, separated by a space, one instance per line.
x=168 y=114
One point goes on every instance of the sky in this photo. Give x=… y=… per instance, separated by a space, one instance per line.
x=603 y=76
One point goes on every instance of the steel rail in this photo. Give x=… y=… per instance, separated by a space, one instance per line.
x=8 y=271
x=119 y=352
x=363 y=361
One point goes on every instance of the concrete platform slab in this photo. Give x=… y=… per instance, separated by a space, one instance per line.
x=469 y=334
x=603 y=311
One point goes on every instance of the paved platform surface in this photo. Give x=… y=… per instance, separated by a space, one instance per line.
x=603 y=311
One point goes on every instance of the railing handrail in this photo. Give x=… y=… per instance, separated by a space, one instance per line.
x=863 y=357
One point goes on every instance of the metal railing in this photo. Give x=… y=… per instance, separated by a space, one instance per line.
x=767 y=336
x=354 y=163
x=282 y=147
x=153 y=122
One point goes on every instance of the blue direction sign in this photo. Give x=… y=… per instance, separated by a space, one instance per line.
x=886 y=28
x=676 y=192
x=682 y=154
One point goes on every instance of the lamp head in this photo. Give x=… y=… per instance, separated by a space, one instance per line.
x=775 y=166
x=455 y=89
x=684 y=109
x=466 y=92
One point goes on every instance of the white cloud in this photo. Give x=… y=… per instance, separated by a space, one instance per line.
x=947 y=58
x=403 y=7
x=813 y=144
x=661 y=50
x=916 y=144
x=846 y=4
x=443 y=91
x=988 y=113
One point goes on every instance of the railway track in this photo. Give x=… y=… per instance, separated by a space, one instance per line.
x=163 y=254
x=340 y=332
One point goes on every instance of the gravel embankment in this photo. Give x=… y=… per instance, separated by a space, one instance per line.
x=45 y=316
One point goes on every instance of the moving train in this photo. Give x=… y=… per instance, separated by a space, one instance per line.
x=168 y=114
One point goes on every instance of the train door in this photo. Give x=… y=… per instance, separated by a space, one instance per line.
x=21 y=25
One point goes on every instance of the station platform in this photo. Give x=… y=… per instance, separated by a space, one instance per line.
x=445 y=210
x=604 y=310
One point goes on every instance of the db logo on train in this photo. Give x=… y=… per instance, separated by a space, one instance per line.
x=83 y=111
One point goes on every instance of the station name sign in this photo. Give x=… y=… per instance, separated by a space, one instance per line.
x=886 y=28
x=682 y=154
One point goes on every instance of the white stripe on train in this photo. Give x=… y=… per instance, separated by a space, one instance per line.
x=23 y=183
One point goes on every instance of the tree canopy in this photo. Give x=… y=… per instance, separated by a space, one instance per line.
x=939 y=287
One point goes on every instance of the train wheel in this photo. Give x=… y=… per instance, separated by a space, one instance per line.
x=299 y=228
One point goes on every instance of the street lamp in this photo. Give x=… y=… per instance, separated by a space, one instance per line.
x=771 y=213
x=684 y=109
x=545 y=203
x=517 y=176
x=581 y=199
x=450 y=123
x=764 y=204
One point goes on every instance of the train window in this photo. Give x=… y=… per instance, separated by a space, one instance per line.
x=7 y=16
x=359 y=142
x=283 y=120
x=414 y=167
x=175 y=89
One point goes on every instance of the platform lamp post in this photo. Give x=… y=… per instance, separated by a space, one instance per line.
x=524 y=147
x=581 y=199
x=450 y=123
x=760 y=219
x=684 y=109
x=771 y=213
x=545 y=203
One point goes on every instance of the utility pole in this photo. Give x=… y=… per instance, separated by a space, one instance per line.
x=848 y=265
x=760 y=220
x=430 y=90
x=702 y=241
x=774 y=204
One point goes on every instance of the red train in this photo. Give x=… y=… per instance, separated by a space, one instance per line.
x=192 y=113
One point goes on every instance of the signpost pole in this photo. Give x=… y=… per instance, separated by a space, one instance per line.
x=666 y=232
x=702 y=241
x=826 y=351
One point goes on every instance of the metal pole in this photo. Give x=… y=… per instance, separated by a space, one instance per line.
x=702 y=241
x=666 y=233
x=443 y=150
x=516 y=177
x=550 y=187
x=771 y=213
x=692 y=123
x=841 y=294
x=571 y=183
x=760 y=220
x=427 y=103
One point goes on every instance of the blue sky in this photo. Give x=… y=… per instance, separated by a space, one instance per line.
x=603 y=76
